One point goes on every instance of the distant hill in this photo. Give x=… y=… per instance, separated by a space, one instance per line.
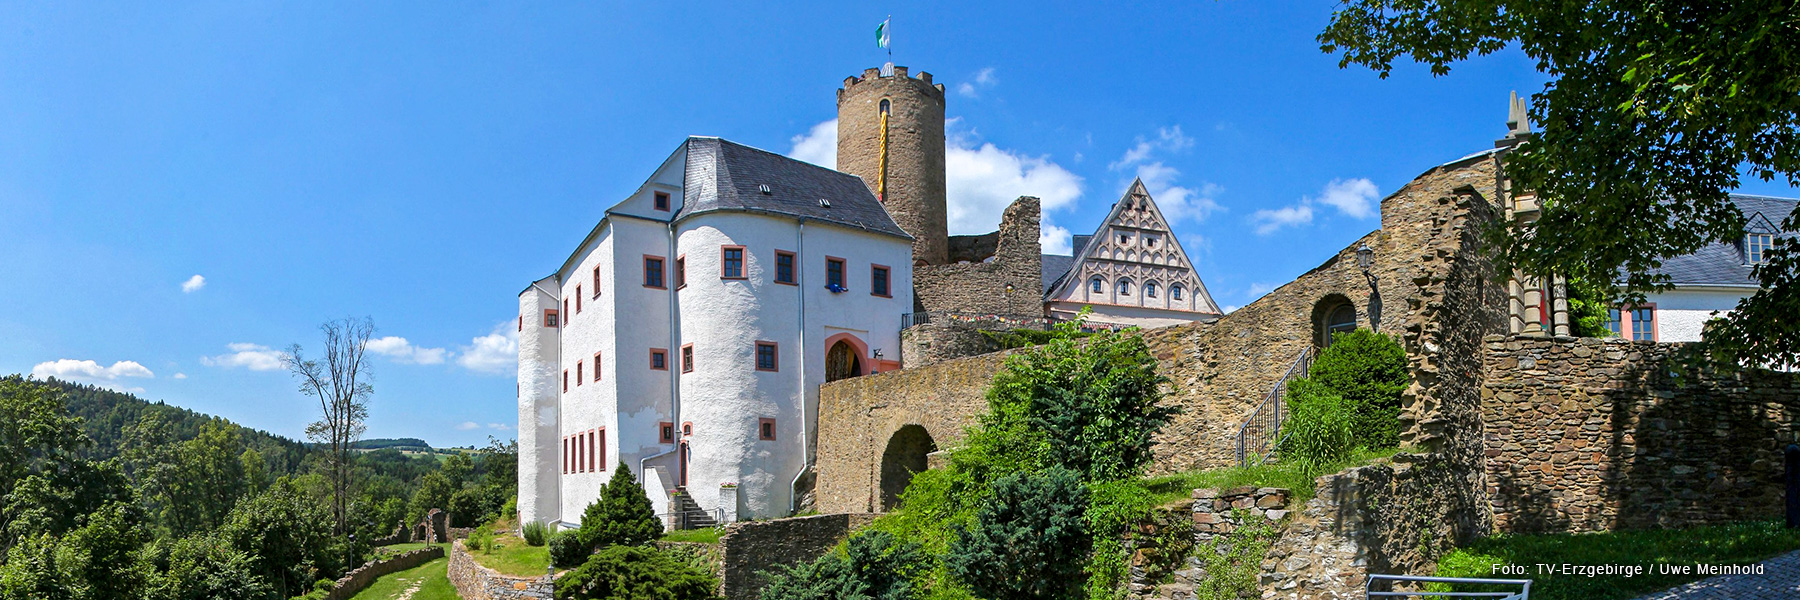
x=395 y=443
x=105 y=414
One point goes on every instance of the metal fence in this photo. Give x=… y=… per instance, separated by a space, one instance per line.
x=1522 y=591
x=977 y=319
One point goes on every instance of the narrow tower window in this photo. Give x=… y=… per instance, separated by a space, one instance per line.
x=784 y=267
x=886 y=106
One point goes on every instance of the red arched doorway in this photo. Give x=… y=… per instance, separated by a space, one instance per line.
x=845 y=357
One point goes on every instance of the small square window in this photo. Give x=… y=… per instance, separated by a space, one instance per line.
x=1096 y=286
x=766 y=357
x=687 y=358
x=1150 y=290
x=878 y=281
x=765 y=429
x=834 y=273
x=1124 y=239
x=1756 y=247
x=731 y=262
x=687 y=428
x=665 y=432
x=784 y=267
x=662 y=201
x=659 y=359
x=1175 y=292
x=653 y=272
x=680 y=272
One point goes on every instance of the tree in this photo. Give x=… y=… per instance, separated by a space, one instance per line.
x=621 y=516
x=1654 y=112
x=99 y=561
x=874 y=566
x=1367 y=370
x=635 y=573
x=341 y=384
x=206 y=567
x=434 y=491
x=1029 y=540
x=287 y=537
x=37 y=437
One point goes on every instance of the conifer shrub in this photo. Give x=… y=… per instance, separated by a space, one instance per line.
x=873 y=566
x=624 y=572
x=1029 y=540
x=622 y=516
x=535 y=533
x=1368 y=371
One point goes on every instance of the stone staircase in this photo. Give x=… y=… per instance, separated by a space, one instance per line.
x=688 y=514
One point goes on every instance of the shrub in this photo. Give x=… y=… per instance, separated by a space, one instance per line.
x=1317 y=430
x=480 y=539
x=621 y=516
x=874 y=566
x=567 y=550
x=535 y=533
x=1233 y=561
x=622 y=572
x=1030 y=539
x=1367 y=370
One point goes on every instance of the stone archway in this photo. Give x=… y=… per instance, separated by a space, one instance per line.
x=842 y=361
x=1333 y=314
x=905 y=455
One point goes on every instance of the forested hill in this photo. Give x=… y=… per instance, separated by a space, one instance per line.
x=106 y=415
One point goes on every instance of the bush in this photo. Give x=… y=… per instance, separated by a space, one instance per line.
x=1317 y=430
x=535 y=533
x=621 y=516
x=874 y=566
x=204 y=567
x=567 y=550
x=1367 y=370
x=622 y=572
x=480 y=539
x=1029 y=542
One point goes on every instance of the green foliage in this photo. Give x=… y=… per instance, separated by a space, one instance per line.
x=1317 y=429
x=189 y=485
x=480 y=538
x=206 y=567
x=535 y=533
x=623 y=572
x=433 y=491
x=1234 y=560
x=1022 y=338
x=1588 y=309
x=1029 y=541
x=1733 y=544
x=1368 y=370
x=287 y=536
x=567 y=549
x=621 y=516
x=874 y=566
x=1653 y=113
x=1114 y=509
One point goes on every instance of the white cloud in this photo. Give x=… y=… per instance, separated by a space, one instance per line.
x=87 y=371
x=499 y=426
x=1257 y=289
x=1055 y=240
x=1230 y=308
x=983 y=79
x=468 y=425
x=1353 y=197
x=1168 y=139
x=495 y=353
x=250 y=356
x=817 y=146
x=403 y=351
x=181 y=375
x=1176 y=202
x=193 y=284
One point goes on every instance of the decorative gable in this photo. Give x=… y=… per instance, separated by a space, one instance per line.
x=1136 y=260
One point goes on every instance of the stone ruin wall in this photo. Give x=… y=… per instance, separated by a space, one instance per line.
x=473 y=581
x=1589 y=434
x=749 y=549
x=979 y=286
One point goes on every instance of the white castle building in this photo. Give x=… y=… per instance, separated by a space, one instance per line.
x=686 y=336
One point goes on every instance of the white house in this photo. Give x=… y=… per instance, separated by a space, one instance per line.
x=686 y=336
x=1708 y=283
x=1130 y=272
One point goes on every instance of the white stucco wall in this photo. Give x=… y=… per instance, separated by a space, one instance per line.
x=538 y=399
x=1681 y=314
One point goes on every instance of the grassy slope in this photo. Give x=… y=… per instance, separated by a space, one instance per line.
x=512 y=556
x=432 y=579
x=1740 y=543
x=1294 y=477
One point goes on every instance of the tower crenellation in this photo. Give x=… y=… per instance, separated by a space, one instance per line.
x=903 y=163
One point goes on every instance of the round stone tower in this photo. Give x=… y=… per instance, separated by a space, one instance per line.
x=903 y=163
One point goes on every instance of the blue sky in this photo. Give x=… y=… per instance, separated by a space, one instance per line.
x=419 y=163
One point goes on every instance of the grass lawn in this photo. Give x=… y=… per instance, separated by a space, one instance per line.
x=1299 y=480
x=512 y=556
x=1739 y=543
x=403 y=548
x=429 y=581
x=705 y=535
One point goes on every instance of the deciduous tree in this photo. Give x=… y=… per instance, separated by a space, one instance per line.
x=340 y=382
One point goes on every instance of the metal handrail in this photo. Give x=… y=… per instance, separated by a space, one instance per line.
x=1524 y=592
x=1015 y=321
x=1264 y=423
x=682 y=519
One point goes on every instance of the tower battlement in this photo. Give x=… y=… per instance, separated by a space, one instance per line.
x=898 y=74
x=891 y=134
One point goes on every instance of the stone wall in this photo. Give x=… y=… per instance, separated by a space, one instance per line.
x=401 y=534
x=1588 y=434
x=361 y=577
x=980 y=286
x=751 y=548
x=476 y=582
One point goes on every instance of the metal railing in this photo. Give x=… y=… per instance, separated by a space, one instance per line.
x=1261 y=432
x=977 y=319
x=1523 y=593
x=693 y=519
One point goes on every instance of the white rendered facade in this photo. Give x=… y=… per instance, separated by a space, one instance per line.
x=717 y=411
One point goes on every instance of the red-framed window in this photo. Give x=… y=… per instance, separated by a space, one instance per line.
x=687 y=428
x=784 y=267
x=565 y=380
x=578 y=298
x=653 y=272
x=768 y=356
x=596 y=282
x=834 y=272
x=596 y=366
x=566 y=454
x=1636 y=323
x=597 y=449
x=580 y=457
x=680 y=271
x=731 y=262
x=550 y=319
x=659 y=359
x=661 y=200
x=687 y=358
x=879 y=281
x=765 y=429
x=665 y=432
x=578 y=371
x=565 y=311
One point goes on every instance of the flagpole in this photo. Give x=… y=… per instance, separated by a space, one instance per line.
x=890 y=32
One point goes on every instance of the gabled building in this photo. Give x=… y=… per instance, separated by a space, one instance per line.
x=1709 y=282
x=1131 y=271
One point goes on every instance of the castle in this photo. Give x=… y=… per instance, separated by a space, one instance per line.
x=687 y=335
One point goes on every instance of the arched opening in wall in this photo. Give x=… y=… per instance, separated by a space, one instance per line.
x=905 y=455
x=1333 y=314
x=842 y=361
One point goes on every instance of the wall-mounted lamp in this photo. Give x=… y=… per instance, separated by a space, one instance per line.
x=1364 y=257
x=875 y=368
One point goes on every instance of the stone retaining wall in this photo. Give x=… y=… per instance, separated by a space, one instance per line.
x=361 y=577
x=1588 y=434
x=751 y=548
x=476 y=582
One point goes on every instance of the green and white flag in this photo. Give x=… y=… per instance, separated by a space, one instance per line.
x=881 y=34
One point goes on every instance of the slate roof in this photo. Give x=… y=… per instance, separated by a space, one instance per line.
x=1723 y=264
x=1055 y=266
x=723 y=175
